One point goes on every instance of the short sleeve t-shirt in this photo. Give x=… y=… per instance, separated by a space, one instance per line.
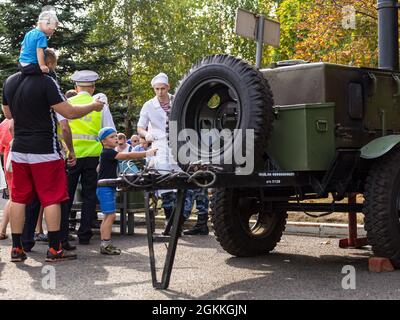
x=108 y=164
x=33 y=40
x=35 y=122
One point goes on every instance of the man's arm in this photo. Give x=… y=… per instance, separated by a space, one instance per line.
x=144 y=121
x=75 y=112
x=7 y=112
x=141 y=131
x=67 y=136
x=11 y=128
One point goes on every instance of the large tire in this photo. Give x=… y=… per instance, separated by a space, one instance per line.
x=382 y=207
x=230 y=215
x=224 y=92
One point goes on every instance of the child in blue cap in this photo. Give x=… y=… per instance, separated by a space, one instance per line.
x=108 y=170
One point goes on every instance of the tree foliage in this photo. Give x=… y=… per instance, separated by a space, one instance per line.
x=167 y=36
x=129 y=41
x=71 y=39
x=322 y=33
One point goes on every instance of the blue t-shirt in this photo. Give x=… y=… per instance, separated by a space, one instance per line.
x=33 y=40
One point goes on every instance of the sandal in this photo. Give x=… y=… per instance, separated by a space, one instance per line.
x=3 y=236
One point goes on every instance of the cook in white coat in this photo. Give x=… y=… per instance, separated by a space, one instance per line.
x=152 y=125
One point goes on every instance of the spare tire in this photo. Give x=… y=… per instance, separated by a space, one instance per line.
x=222 y=93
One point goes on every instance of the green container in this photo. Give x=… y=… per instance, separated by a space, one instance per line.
x=135 y=199
x=303 y=137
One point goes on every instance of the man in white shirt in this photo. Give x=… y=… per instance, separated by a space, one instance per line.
x=153 y=126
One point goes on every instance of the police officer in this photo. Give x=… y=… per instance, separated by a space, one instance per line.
x=87 y=149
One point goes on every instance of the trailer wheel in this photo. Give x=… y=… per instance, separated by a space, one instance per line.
x=231 y=216
x=382 y=207
x=221 y=94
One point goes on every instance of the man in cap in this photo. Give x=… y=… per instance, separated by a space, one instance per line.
x=87 y=149
x=153 y=126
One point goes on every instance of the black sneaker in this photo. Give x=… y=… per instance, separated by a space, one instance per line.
x=60 y=255
x=18 y=255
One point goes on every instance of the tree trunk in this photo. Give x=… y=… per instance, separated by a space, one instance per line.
x=129 y=50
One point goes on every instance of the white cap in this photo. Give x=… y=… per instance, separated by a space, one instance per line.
x=49 y=17
x=161 y=78
x=85 y=78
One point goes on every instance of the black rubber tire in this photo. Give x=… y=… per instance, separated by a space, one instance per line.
x=253 y=97
x=233 y=235
x=382 y=207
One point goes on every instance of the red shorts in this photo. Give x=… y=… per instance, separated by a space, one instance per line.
x=47 y=180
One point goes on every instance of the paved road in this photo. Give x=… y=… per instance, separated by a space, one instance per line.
x=300 y=268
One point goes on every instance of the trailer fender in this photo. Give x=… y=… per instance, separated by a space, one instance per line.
x=380 y=146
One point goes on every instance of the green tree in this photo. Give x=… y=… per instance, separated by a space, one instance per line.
x=72 y=38
x=290 y=14
x=169 y=36
x=325 y=38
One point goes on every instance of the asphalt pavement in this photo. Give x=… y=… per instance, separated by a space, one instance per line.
x=299 y=268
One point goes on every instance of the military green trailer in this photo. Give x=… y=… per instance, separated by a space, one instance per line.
x=313 y=130
x=332 y=130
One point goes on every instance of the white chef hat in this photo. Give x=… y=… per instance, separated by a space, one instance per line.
x=160 y=78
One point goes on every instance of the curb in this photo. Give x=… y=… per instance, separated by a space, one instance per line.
x=336 y=230
x=324 y=230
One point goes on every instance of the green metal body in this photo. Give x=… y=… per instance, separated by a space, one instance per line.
x=303 y=137
x=380 y=146
x=366 y=108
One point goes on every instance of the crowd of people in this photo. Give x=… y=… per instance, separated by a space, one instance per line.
x=51 y=142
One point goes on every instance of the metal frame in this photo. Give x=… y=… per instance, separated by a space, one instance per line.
x=172 y=239
x=273 y=180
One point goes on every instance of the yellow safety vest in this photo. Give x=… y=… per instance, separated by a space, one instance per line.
x=85 y=129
